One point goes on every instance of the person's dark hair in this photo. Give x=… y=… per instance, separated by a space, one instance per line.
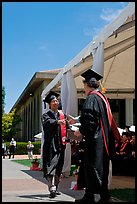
x=92 y=82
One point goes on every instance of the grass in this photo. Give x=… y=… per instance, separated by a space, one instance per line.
x=126 y=194
x=25 y=162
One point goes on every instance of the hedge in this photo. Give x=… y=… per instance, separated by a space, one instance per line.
x=21 y=147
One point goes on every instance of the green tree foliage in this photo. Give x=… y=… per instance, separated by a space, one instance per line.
x=3 y=99
x=9 y=124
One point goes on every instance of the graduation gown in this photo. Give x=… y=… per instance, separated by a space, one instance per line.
x=53 y=149
x=99 y=143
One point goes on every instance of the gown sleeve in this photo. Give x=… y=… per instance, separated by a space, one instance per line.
x=89 y=118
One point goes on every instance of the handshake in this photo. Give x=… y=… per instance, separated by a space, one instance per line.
x=74 y=120
x=70 y=121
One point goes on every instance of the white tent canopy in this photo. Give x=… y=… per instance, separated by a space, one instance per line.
x=38 y=136
x=88 y=50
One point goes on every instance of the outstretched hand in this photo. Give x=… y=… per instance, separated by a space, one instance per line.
x=71 y=120
x=62 y=122
x=77 y=133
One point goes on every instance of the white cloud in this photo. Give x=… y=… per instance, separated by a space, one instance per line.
x=109 y=15
x=123 y=4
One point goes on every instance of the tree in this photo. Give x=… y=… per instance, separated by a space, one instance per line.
x=3 y=99
x=9 y=124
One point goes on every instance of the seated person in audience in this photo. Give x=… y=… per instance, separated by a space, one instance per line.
x=132 y=141
x=127 y=128
x=118 y=145
x=123 y=155
x=126 y=147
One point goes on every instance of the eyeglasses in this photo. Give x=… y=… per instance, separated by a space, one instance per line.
x=54 y=101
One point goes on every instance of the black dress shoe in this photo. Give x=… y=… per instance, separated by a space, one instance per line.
x=52 y=194
x=58 y=193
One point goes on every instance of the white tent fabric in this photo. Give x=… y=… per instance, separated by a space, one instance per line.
x=38 y=136
x=98 y=62
x=67 y=161
x=69 y=94
x=42 y=137
x=106 y=32
x=69 y=106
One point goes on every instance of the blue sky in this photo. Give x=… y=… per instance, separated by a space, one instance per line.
x=39 y=36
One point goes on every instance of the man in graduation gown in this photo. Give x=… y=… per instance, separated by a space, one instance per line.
x=100 y=131
x=54 y=126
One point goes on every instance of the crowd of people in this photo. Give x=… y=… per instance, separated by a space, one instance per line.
x=124 y=160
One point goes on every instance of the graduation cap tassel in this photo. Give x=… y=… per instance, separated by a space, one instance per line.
x=103 y=89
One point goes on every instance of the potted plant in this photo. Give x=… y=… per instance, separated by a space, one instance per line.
x=35 y=163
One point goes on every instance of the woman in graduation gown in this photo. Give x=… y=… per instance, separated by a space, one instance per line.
x=54 y=126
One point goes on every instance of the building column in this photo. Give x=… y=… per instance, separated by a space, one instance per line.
x=129 y=112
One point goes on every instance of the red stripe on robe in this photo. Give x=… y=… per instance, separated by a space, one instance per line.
x=63 y=127
x=111 y=120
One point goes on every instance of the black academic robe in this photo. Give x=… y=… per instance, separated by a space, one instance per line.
x=96 y=157
x=53 y=150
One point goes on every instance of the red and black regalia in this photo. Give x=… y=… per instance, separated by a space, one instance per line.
x=54 y=144
x=100 y=131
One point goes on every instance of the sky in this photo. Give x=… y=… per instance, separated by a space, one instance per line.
x=38 y=36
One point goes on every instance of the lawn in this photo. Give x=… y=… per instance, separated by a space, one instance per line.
x=26 y=162
x=127 y=194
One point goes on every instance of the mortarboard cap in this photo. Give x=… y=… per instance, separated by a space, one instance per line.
x=127 y=126
x=51 y=95
x=126 y=133
x=89 y=74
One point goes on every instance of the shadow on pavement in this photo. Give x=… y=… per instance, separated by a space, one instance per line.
x=36 y=196
x=64 y=186
x=38 y=175
x=44 y=198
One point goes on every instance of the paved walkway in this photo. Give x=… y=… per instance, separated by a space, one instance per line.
x=19 y=184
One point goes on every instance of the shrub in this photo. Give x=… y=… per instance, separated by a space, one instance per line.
x=21 y=147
